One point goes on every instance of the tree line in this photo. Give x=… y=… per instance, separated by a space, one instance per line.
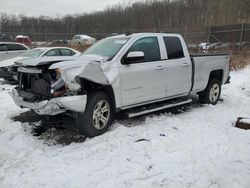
x=143 y=16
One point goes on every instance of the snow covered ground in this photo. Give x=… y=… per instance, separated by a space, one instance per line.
x=197 y=148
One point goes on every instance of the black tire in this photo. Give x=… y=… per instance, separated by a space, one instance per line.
x=211 y=94
x=91 y=124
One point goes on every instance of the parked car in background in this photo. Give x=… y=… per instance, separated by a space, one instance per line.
x=227 y=45
x=11 y=49
x=23 y=39
x=8 y=68
x=58 y=43
x=203 y=45
x=6 y=38
x=39 y=43
x=82 y=40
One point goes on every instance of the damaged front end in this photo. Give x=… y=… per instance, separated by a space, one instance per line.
x=44 y=91
x=50 y=86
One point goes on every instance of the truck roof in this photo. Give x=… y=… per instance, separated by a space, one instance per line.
x=145 y=34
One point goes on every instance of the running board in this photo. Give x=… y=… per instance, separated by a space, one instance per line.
x=156 y=107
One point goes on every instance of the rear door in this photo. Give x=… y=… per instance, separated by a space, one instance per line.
x=179 y=67
x=142 y=81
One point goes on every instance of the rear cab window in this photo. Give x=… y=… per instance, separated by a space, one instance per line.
x=173 y=47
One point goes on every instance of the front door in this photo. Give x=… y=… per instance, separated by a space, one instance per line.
x=143 y=80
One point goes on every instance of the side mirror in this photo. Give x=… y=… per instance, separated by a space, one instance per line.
x=134 y=56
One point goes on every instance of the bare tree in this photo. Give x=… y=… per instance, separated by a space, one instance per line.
x=148 y=15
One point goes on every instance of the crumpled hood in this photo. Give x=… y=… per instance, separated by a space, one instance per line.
x=88 y=67
x=78 y=61
x=44 y=60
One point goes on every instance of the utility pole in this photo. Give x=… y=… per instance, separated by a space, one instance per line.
x=46 y=35
x=241 y=35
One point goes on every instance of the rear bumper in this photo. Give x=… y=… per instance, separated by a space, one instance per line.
x=54 y=106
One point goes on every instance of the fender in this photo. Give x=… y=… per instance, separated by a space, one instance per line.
x=86 y=68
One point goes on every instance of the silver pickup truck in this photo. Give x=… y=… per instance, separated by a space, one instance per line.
x=135 y=74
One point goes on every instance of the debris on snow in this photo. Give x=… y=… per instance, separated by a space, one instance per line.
x=243 y=123
x=142 y=139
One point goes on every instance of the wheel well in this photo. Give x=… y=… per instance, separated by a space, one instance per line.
x=89 y=86
x=218 y=74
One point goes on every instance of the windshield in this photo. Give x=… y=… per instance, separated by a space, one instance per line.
x=76 y=37
x=108 y=47
x=33 y=53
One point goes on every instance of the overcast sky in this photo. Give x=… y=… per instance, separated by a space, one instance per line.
x=55 y=7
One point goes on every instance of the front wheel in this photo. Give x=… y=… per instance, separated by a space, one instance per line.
x=211 y=94
x=98 y=115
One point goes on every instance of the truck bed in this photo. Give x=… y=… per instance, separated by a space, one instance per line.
x=204 y=64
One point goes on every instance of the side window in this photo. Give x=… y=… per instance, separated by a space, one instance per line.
x=67 y=52
x=21 y=47
x=150 y=47
x=15 y=47
x=3 y=47
x=54 y=52
x=173 y=47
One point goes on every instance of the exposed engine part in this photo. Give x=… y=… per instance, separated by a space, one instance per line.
x=58 y=86
x=59 y=93
x=42 y=84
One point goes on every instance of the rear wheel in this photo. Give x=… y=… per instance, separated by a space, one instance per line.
x=98 y=115
x=211 y=94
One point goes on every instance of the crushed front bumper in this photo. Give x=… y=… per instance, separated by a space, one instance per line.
x=54 y=106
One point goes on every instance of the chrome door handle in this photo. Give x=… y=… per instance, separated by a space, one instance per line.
x=185 y=64
x=159 y=68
